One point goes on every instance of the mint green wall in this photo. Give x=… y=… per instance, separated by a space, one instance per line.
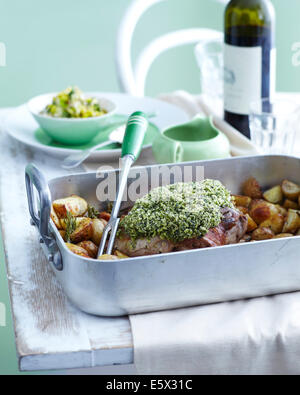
x=51 y=44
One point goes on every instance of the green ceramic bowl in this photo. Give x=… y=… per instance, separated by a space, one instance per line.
x=70 y=131
x=195 y=140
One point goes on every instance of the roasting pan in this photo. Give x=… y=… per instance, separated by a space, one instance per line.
x=176 y=280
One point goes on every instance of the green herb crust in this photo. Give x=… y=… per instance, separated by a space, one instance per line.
x=177 y=212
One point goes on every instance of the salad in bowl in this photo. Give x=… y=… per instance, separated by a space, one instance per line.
x=71 y=117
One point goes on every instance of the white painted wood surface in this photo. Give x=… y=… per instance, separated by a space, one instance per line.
x=50 y=332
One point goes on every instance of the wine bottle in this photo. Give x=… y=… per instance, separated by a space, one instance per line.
x=249 y=58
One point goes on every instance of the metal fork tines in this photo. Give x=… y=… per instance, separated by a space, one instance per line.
x=111 y=228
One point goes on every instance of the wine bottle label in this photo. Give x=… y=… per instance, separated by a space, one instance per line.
x=243 y=77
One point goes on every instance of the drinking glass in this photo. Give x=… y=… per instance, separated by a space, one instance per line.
x=209 y=56
x=274 y=125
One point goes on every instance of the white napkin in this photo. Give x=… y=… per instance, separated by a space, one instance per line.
x=254 y=337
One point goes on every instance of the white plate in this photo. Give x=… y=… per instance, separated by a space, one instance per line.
x=20 y=124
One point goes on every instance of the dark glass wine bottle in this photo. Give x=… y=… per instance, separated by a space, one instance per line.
x=249 y=57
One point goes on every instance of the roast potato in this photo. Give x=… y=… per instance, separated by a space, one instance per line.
x=55 y=218
x=260 y=210
x=78 y=221
x=242 y=201
x=290 y=190
x=274 y=195
x=262 y=234
x=77 y=250
x=275 y=223
x=98 y=226
x=120 y=255
x=83 y=231
x=252 y=189
x=75 y=205
x=90 y=247
x=108 y=258
x=292 y=223
x=281 y=210
x=251 y=224
x=104 y=215
x=243 y=210
x=63 y=222
x=283 y=235
x=63 y=234
x=290 y=204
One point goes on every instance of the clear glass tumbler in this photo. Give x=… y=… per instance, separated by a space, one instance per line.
x=274 y=125
x=210 y=59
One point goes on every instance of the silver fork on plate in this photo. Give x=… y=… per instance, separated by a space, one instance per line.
x=116 y=136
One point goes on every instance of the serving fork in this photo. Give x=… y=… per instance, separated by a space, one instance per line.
x=136 y=128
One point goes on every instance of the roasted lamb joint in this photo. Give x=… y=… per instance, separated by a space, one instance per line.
x=143 y=247
x=231 y=230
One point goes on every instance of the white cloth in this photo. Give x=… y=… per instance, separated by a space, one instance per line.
x=259 y=336
x=254 y=337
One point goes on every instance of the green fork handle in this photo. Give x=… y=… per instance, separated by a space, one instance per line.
x=136 y=129
x=137 y=126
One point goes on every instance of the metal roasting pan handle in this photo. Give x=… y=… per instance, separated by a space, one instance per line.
x=40 y=219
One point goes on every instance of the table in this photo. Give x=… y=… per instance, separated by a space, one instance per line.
x=50 y=332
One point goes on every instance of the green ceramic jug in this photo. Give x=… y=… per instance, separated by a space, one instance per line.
x=198 y=139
